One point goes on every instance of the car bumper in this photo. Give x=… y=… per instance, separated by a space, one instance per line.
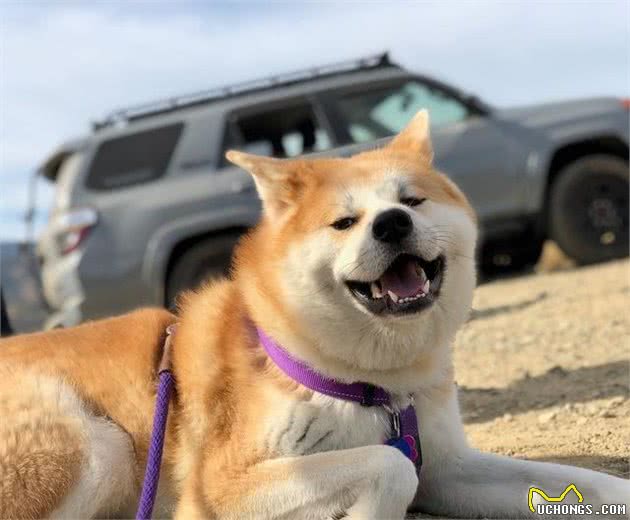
x=75 y=294
x=67 y=317
x=63 y=290
x=91 y=283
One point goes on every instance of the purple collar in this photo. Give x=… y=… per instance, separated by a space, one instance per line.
x=364 y=393
x=405 y=434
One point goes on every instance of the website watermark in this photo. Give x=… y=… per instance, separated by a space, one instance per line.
x=551 y=505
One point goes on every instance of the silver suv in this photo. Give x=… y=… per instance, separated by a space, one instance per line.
x=146 y=205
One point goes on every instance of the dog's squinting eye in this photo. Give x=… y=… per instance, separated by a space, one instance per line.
x=412 y=201
x=344 y=223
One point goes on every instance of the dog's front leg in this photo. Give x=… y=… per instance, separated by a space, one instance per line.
x=459 y=481
x=368 y=482
x=485 y=485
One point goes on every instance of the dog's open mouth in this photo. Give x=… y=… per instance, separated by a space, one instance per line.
x=410 y=284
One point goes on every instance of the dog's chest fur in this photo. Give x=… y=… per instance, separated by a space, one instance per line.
x=321 y=424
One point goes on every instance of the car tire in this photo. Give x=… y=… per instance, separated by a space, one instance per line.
x=5 y=325
x=204 y=260
x=588 y=209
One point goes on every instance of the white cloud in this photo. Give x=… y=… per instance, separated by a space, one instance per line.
x=65 y=65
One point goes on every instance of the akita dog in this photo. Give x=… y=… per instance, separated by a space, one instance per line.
x=292 y=376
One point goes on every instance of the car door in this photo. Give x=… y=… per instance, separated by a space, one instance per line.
x=468 y=145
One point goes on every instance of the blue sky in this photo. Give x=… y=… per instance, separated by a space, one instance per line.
x=64 y=64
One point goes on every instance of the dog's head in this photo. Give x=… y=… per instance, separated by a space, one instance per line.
x=372 y=256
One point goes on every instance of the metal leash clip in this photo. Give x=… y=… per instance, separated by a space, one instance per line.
x=395 y=420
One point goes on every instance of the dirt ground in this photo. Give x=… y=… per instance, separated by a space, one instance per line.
x=543 y=366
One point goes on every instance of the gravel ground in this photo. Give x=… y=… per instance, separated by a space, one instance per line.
x=543 y=367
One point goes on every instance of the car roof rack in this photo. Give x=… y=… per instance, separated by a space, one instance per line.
x=172 y=104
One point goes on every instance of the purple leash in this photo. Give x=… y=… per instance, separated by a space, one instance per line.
x=154 y=458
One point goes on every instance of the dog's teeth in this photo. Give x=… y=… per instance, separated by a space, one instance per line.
x=426 y=286
x=393 y=296
x=420 y=272
x=376 y=292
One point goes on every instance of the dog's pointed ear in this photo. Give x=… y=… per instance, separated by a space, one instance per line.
x=415 y=137
x=276 y=179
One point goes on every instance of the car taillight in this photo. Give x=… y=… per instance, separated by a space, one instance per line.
x=625 y=103
x=73 y=227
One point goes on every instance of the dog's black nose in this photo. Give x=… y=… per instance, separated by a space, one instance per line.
x=392 y=226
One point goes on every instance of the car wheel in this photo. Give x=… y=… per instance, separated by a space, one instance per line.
x=5 y=327
x=205 y=260
x=588 y=209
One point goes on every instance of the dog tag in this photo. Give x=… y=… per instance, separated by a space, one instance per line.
x=407 y=442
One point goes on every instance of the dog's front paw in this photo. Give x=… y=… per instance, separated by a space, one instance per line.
x=607 y=497
x=391 y=492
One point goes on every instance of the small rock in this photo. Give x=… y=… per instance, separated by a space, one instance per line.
x=581 y=421
x=591 y=409
x=616 y=401
x=547 y=417
x=508 y=417
x=607 y=414
x=526 y=340
x=563 y=325
x=557 y=370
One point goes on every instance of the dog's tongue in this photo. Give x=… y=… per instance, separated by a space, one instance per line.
x=404 y=280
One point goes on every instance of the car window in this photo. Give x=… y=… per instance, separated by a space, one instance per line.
x=282 y=132
x=375 y=114
x=133 y=158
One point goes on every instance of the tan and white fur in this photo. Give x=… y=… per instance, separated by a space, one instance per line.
x=244 y=440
